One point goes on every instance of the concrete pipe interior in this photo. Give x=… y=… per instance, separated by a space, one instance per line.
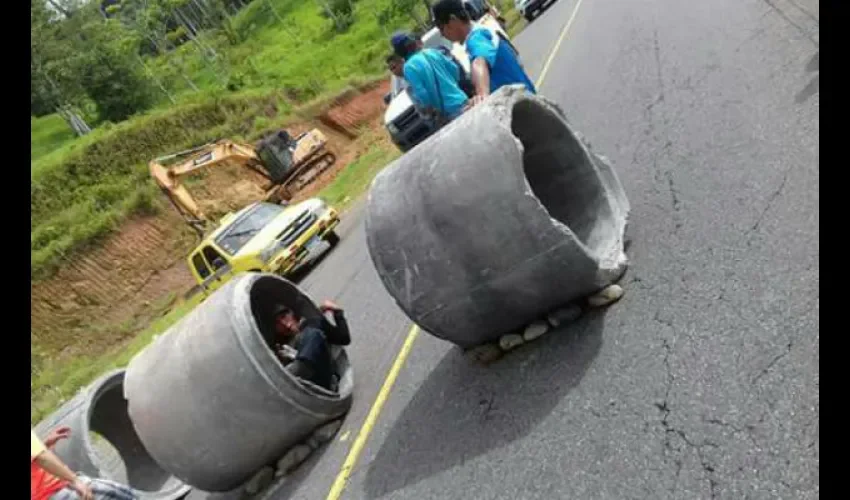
x=267 y=293
x=561 y=176
x=114 y=447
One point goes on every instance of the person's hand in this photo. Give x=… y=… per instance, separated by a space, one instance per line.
x=328 y=306
x=287 y=353
x=474 y=101
x=57 y=435
x=82 y=489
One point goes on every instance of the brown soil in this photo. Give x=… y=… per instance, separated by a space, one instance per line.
x=102 y=296
x=95 y=294
x=369 y=133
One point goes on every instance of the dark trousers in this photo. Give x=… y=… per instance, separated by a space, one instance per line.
x=313 y=362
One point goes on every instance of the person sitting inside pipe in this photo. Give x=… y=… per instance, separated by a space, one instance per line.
x=434 y=78
x=303 y=345
x=494 y=62
x=51 y=479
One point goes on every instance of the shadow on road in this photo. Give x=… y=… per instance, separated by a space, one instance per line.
x=463 y=410
x=284 y=487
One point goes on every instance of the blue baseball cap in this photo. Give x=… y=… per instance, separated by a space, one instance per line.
x=403 y=43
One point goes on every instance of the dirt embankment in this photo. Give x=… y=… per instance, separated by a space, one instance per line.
x=98 y=296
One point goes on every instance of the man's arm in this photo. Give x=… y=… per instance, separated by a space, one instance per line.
x=481 y=77
x=48 y=461
x=482 y=52
x=337 y=333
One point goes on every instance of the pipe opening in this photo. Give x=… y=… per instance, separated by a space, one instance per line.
x=561 y=174
x=116 y=450
x=267 y=292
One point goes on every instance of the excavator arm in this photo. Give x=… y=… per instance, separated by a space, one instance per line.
x=168 y=177
x=284 y=163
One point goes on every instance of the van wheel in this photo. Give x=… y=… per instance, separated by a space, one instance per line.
x=529 y=16
x=332 y=238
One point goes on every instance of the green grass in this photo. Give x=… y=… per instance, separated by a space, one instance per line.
x=47 y=134
x=82 y=189
x=355 y=179
x=293 y=48
x=514 y=21
x=54 y=382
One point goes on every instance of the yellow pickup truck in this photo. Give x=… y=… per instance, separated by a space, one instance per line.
x=264 y=237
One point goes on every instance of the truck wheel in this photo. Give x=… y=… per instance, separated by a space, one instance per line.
x=332 y=238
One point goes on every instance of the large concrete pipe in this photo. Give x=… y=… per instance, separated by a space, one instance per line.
x=103 y=443
x=498 y=218
x=209 y=398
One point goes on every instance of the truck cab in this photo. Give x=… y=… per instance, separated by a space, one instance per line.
x=264 y=237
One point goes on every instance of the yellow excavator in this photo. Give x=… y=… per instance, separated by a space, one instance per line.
x=273 y=170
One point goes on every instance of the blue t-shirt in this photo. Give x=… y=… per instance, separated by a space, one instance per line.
x=433 y=80
x=504 y=66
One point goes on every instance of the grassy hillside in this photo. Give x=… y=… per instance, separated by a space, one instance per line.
x=83 y=189
x=289 y=54
x=48 y=133
x=288 y=45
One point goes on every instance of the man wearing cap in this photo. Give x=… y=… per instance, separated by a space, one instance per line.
x=433 y=78
x=494 y=63
x=303 y=345
x=395 y=64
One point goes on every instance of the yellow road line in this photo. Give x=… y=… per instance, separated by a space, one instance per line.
x=357 y=448
x=557 y=46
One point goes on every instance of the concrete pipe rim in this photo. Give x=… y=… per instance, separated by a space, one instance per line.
x=97 y=390
x=535 y=123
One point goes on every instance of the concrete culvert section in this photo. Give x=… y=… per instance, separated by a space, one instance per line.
x=561 y=176
x=497 y=219
x=210 y=400
x=104 y=444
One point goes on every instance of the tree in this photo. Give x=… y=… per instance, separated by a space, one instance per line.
x=107 y=65
x=53 y=86
x=77 y=56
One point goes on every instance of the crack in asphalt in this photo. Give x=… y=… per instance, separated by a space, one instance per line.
x=747 y=431
x=773 y=362
x=770 y=201
x=658 y=72
x=781 y=13
x=670 y=430
x=805 y=12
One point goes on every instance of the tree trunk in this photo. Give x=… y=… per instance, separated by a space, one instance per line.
x=73 y=119
x=56 y=5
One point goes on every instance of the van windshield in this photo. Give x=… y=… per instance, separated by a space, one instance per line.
x=246 y=226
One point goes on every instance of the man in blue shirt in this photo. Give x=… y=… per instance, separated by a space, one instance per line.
x=433 y=78
x=494 y=62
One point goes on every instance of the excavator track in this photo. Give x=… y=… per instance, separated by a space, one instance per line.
x=309 y=172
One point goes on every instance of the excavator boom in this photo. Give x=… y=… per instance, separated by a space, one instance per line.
x=289 y=165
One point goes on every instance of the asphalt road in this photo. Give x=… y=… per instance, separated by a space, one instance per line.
x=703 y=381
